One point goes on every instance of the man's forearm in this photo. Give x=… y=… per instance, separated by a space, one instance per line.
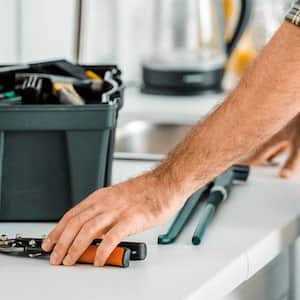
x=265 y=100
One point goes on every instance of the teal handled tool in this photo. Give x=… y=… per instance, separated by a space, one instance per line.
x=218 y=193
x=183 y=216
x=213 y=194
x=7 y=95
x=9 y=98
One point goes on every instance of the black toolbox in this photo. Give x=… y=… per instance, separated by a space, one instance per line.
x=53 y=156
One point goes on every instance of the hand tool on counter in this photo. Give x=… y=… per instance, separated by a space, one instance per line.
x=32 y=247
x=182 y=217
x=218 y=194
x=213 y=193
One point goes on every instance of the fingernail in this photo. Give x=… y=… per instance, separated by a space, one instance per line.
x=54 y=259
x=67 y=260
x=286 y=173
x=46 y=244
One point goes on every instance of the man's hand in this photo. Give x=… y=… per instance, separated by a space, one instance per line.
x=287 y=140
x=112 y=214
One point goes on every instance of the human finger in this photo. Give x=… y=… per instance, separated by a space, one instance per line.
x=111 y=240
x=266 y=151
x=292 y=164
x=91 y=230
x=54 y=235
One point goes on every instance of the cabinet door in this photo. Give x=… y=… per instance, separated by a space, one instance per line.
x=270 y=283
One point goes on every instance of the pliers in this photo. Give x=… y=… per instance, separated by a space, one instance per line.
x=32 y=247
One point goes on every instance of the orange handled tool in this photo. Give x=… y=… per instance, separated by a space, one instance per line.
x=120 y=257
x=32 y=247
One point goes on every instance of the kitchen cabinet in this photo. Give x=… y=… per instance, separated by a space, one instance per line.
x=270 y=283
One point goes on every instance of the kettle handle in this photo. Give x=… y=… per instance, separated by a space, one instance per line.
x=244 y=18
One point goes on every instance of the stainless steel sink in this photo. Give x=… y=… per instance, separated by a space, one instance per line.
x=149 y=139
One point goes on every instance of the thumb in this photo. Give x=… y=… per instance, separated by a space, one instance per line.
x=292 y=164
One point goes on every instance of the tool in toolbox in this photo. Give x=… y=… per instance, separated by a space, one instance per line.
x=67 y=94
x=214 y=194
x=62 y=87
x=53 y=82
x=10 y=97
x=32 y=247
x=97 y=81
x=31 y=90
x=63 y=67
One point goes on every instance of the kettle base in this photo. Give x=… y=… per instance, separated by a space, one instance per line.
x=181 y=82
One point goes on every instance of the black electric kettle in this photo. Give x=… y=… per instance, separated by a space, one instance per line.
x=189 y=48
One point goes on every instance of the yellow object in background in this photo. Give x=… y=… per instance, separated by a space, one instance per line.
x=228 y=9
x=241 y=60
x=230 y=17
x=245 y=52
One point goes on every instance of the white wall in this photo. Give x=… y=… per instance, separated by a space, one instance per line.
x=8 y=31
x=99 y=32
x=117 y=31
x=47 y=29
x=37 y=29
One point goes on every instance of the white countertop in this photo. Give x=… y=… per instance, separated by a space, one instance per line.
x=257 y=223
x=167 y=109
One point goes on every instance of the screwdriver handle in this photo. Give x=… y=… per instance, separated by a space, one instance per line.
x=120 y=257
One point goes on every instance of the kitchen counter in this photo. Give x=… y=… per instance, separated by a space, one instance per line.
x=258 y=222
x=167 y=109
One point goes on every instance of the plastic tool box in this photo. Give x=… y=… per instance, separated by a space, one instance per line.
x=53 y=156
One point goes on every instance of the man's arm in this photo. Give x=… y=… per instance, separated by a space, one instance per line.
x=265 y=100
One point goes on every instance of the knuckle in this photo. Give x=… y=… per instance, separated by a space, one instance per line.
x=73 y=250
x=59 y=248
x=111 y=239
x=74 y=222
x=89 y=229
x=68 y=215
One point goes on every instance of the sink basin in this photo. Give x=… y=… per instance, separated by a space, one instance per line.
x=149 y=138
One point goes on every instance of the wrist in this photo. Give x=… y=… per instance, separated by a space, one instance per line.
x=174 y=182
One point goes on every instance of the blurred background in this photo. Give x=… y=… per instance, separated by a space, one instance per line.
x=113 y=31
